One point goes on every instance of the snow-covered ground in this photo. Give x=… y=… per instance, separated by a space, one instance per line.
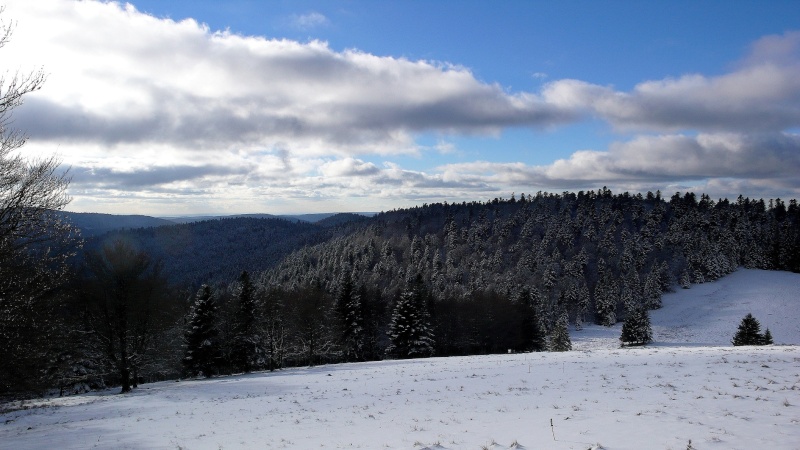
x=708 y=314
x=680 y=389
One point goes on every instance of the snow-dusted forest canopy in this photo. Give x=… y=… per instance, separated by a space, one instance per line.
x=237 y=295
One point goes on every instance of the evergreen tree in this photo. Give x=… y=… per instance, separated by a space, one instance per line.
x=246 y=347
x=559 y=338
x=686 y=281
x=351 y=317
x=767 y=340
x=652 y=289
x=201 y=337
x=533 y=336
x=636 y=329
x=410 y=330
x=583 y=305
x=606 y=293
x=749 y=332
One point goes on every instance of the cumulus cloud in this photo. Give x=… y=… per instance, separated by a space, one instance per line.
x=772 y=159
x=118 y=75
x=762 y=94
x=173 y=110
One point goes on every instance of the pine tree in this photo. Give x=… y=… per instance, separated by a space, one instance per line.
x=652 y=289
x=201 y=338
x=410 y=329
x=686 y=281
x=559 y=339
x=606 y=293
x=636 y=329
x=749 y=332
x=533 y=336
x=767 y=339
x=351 y=316
x=246 y=348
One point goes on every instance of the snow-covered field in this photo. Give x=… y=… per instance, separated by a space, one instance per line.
x=690 y=385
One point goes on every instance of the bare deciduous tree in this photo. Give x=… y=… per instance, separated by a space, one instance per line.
x=35 y=241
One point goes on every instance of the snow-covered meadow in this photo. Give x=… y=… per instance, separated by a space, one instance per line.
x=690 y=385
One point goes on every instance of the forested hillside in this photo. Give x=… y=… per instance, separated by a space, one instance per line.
x=94 y=224
x=441 y=279
x=492 y=269
x=216 y=251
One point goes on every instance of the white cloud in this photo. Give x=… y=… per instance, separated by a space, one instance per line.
x=754 y=160
x=151 y=110
x=762 y=94
x=120 y=76
x=308 y=21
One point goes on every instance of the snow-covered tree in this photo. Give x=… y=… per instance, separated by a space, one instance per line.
x=351 y=318
x=533 y=336
x=606 y=294
x=559 y=338
x=410 y=329
x=35 y=242
x=247 y=352
x=636 y=329
x=202 y=335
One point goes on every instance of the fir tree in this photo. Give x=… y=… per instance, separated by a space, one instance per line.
x=410 y=329
x=533 y=336
x=559 y=339
x=767 y=339
x=636 y=329
x=246 y=350
x=351 y=317
x=201 y=338
x=749 y=332
x=605 y=292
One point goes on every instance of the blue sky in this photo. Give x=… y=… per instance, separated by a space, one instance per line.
x=189 y=107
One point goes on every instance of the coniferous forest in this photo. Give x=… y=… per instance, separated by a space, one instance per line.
x=240 y=295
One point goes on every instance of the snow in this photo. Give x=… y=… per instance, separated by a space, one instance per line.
x=690 y=385
x=708 y=314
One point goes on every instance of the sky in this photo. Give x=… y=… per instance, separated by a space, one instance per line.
x=170 y=108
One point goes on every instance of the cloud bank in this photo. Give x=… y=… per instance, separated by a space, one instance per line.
x=174 y=110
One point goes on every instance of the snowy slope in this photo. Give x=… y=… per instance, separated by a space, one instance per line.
x=658 y=397
x=708 y=314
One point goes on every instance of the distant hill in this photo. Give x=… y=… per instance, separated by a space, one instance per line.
x=217 y=251
x=94 y=224
x=340 y=219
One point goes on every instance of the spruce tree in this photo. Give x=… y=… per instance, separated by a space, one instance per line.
x=201 y=337
x=351 y=317
x=636 y=329
x=749 y=332
x=247 y=352
x=559 y=339
x=532 y=334
x=606 y=293
x=410 y=330
x=767 y=339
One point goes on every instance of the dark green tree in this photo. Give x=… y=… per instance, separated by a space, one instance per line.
x=749 y=332
x=203 y=351
x=533 y=337
x=247 y=351
x=636 y=329
x=351 y=319
x=767 y=340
